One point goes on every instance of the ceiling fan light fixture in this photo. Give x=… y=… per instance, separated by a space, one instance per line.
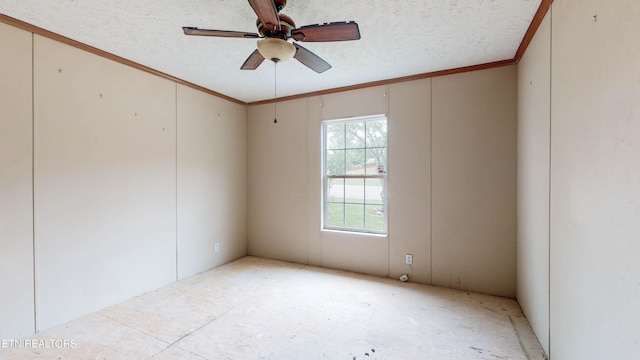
x=276 y=49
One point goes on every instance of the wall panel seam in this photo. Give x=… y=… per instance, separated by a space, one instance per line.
x=388 y=95
x=175 y=94
x=308 y=180
x=549 y=179
x=33 y=185
x=431 y=181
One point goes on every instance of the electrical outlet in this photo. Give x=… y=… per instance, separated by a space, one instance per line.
x=408 y=259
x=216 y=247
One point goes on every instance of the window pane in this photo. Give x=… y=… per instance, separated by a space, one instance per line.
x=374 y=191
x=335 y=136
x=354 y=216
x=335 y=160
x=335 y=190
x=354 y=191
x=355 y=135
x=355 y=161
x=376 y=157
x=374 y=218
x=377 y=133
x=335 y=215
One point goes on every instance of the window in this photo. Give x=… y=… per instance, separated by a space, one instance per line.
x=355 y=174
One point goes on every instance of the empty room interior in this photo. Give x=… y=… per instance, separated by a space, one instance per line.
x=460 y=181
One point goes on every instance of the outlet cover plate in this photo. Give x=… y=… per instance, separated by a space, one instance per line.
x=408 y=259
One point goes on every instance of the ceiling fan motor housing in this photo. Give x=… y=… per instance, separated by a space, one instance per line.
x=284 y=32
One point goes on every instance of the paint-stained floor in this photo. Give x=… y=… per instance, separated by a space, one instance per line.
x=256 y=308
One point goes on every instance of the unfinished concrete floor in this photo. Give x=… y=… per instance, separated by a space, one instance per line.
x=256 y=308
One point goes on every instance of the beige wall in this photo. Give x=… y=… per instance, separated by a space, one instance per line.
x=285 y=181
x=105 y=190
x=135 y=179
x=212 y=181
x=473 y=181
x=534 y=90
x=410 y=178
x=594 y=182
x=16 y=182
x=278 y=180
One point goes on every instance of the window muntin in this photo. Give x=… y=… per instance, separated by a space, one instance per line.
x=354 y=172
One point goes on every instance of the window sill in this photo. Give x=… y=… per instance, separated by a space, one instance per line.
x=355 y=233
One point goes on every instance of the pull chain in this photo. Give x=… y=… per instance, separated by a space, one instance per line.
x=275 y=92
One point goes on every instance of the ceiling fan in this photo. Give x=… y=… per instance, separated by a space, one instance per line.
x=276 y=29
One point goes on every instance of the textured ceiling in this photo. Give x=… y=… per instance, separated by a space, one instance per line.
x=399 y=38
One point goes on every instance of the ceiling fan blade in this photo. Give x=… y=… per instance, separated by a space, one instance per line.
x=253 y=61
x=311 y=60
x=336 y=31
x=266 y=11
x=220 y=33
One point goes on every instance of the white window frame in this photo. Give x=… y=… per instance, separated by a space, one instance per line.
x=326 y=177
